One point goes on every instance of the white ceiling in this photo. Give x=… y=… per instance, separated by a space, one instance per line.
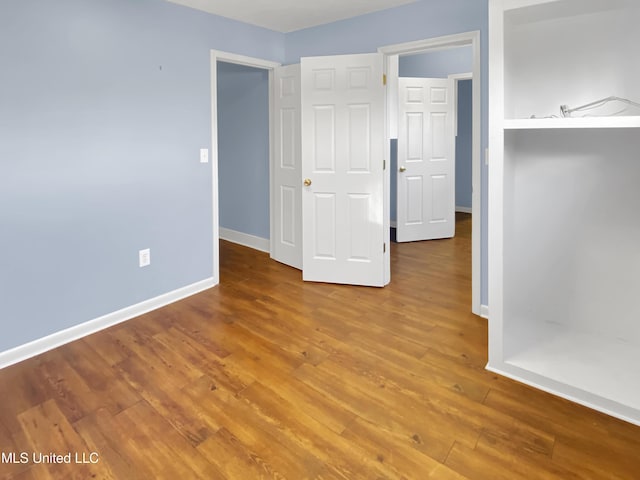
x=289 y=15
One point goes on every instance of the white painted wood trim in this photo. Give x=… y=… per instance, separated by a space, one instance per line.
x=251 y=241
x=476 y=174
x=390 y=64
x=272 y=159
x=243 y=60
x=214 y=166
x=431 y=44
x=484 y=311
x=577 y=122
x=44 y=344
x=582 y=397
x=464 y=209
x=456 y=77
x=496 y=172
x=461 y=76
x=443 y=43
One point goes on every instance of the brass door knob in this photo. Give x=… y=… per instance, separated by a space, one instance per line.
x=307 y=182
x=403 y=169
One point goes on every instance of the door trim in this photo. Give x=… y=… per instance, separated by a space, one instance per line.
x=217 y=55
x=457 y=77
x=391 y=54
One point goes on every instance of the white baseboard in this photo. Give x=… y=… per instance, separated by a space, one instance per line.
x=393 y=223
x=251 y=241
x=484 y=311
x=464 y=209
x=44 y=344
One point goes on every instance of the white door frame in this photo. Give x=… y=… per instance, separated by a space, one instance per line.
x=392 y=53
x=216 y=56
x=457 y=77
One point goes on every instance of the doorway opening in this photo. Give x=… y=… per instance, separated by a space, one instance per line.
x=435 y=142
x=243 y=154
x=392 y=55
x=237 y=72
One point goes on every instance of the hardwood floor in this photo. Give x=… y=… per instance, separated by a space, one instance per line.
x=267 y=377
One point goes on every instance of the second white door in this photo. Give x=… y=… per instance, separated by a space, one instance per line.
x=426 y=159
x=286 y=233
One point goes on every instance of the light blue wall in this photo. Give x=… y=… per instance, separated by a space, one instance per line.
x=439 y=64
x=415 y=21
x=464 y=144
x=104 y=105
x=243 y=148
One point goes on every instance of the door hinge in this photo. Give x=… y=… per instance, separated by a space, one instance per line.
x=384 y=164
x=384 y=248
x=384 y=79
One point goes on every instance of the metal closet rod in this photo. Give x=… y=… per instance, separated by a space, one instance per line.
x=566 y=111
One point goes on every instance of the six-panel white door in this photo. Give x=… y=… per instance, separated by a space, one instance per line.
x=342 y=166
x=426 y=159
x=286 y=244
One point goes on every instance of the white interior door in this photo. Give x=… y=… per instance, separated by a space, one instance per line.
x=286 y=245
x=426 y=159
x=342 y=164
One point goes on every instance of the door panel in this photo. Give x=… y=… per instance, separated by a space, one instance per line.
x=439 y=139
x=288 y=209
x=359 y=208
x=324 y=121
x=415 y=190
x=438 y=198
x=286 y=244
x=358 y=137
x=415 y=122
x=426 y=159
x=342 y=151
x=324 y=245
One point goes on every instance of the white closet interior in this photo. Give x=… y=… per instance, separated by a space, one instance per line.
x=564 y=234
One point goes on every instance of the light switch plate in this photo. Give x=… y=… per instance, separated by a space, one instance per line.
x=144 y=257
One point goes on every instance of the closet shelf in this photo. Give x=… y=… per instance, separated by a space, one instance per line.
x=581 y=122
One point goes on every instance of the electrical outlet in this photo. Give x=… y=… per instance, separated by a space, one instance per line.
x=204 y=155
x=144 y=257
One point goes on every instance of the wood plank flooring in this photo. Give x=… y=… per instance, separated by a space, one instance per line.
x=267 y=377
